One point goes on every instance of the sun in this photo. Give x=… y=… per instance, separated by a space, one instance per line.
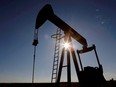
x=66 y=45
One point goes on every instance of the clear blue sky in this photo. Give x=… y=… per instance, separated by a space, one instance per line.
x=93 y=19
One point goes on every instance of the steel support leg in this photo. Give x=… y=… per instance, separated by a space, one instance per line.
x=60 y=66
x=75 y=61
x=68 y=67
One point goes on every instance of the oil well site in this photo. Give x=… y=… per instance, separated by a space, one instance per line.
x=65 y=55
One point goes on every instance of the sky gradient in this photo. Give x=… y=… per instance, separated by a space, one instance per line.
x=93 y=19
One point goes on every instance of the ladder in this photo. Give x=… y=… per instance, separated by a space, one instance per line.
x=57 y=37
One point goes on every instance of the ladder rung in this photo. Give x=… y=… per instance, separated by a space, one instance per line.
x=55 y=69
x=56 y=54
x=56 y=50
x=54 y=78
x=56 y=46
x=64 y=66
x=55 y=64
x=54 y=73
x=56 y=57
x=56 y=60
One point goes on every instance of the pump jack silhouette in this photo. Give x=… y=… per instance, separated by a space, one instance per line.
x=87 y=76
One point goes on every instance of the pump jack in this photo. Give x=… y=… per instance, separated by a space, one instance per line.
x=89 y=76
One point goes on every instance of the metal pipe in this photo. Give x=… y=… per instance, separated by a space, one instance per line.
x=33 y=72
